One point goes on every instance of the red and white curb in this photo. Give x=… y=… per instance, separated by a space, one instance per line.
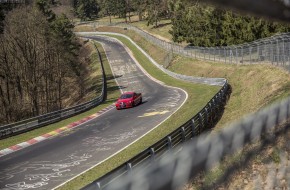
x=53 y=133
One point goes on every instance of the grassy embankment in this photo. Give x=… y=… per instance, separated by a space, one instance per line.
x=254 y=87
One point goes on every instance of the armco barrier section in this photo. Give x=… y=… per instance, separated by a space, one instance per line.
x=202 y=121
x=49 y=118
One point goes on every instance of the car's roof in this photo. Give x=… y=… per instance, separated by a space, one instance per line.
x=129 y=92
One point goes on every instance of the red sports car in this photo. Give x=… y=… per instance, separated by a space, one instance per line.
x=128 y=100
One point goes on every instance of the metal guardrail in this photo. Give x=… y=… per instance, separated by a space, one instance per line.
x=202 y=121
x=274 y=50
x=49 y=118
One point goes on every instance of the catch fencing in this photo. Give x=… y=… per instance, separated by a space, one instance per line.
x=274 y=50
x=49 y=118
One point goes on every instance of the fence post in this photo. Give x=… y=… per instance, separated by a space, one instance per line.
x=129 y=167
x=209 y=53
x=205 y=117
x=213 y=105
x=183 y=134
x=283 y=61
x=210 y=115
x=169 y=141
x=152 y=153
x=278 y=52
x=225 y=55
x=236 y=55
x=98 y=185
x=193 y=127
x=200 y=123
x=242 y=54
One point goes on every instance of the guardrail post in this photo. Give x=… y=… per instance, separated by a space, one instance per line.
x=98 y=185
x=169 y=142
x=129 y=167
x=213 y=106
x=218 y=97
x=193 y=127
x=200 y=123
x=183 y=134
x=210 y=117
x=152 y=153
x=205 y=117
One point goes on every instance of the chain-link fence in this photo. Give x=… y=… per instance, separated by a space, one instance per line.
x=274 y=50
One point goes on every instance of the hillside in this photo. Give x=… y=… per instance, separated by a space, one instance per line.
x=253 y=87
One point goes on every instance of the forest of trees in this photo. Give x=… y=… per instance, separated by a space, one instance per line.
x=192 y=21
x=208 y=26
x=38 y=49
x=38 y=57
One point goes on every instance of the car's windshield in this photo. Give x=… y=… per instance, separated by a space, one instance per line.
x=125 y=96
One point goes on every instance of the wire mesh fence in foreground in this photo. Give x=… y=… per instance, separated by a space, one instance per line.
x=205 y=151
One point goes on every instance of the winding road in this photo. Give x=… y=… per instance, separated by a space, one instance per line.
x=51 y=163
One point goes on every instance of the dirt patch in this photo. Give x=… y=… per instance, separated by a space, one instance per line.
x=84 y=28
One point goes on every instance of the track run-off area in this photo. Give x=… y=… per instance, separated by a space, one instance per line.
x=54 y=161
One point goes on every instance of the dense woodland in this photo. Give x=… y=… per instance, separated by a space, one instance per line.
x=38 y=57
x=38 y=49
x=192 y=21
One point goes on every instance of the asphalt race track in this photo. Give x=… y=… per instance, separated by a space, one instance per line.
x=52 y=162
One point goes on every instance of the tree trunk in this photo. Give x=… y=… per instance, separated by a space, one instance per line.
x=6 y=108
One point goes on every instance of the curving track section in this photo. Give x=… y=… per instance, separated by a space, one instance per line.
x=52 y=162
